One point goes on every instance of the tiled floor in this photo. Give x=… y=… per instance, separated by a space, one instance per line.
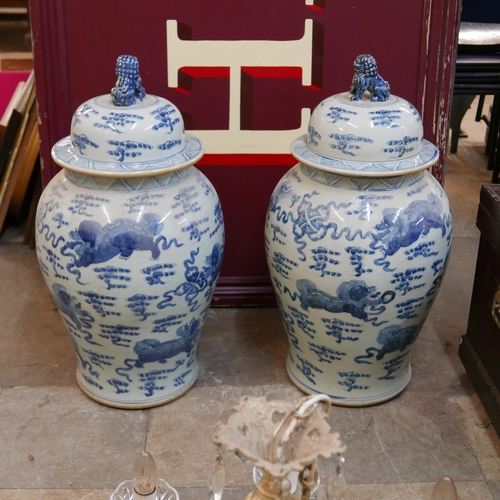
x=57 y=444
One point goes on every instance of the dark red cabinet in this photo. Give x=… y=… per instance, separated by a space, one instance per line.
x=246 y=73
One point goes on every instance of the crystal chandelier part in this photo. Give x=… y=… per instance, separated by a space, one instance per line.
x=445 y=490
x=218 y=479
x=145 y=475
x=283 y=440
x=268 y=434
x=336 y=485
x=145 y=483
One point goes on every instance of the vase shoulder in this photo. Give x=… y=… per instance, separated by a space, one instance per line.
x=146 y=183
x=346 y=181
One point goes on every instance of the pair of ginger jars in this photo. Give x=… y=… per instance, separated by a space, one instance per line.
x=130 y=239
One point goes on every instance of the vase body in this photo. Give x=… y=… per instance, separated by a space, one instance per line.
x=356 y=263
x=132 y=264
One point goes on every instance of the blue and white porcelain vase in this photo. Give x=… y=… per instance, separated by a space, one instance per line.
x=129 y=237
x=357 y=237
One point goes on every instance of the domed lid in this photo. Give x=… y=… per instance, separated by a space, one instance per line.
x=366 y=132
x=127 y=133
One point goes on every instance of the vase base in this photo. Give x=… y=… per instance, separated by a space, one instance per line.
x=351 y=401
x=137 y=404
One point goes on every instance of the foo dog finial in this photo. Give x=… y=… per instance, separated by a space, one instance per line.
x=367 y=79
x=128 y=86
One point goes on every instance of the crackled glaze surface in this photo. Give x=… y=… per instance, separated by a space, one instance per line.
x=132 y=265
x=356 y=264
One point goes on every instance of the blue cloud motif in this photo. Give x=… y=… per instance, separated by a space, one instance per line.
x=308 y=369
x=127 y=149
x=81 y=141
x=345 y=143
x=385 y=118
x=336 y=114
x=84 y=110
x=169 y=144
x=313 y=136
x=166 y=115
x=115 y=120
x=415 y=113
x=400 y=146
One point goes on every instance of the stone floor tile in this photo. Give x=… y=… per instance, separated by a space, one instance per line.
x=473 y=490
x=446 y=377
x=243 y=346
x=74 y=442
x=405 y=440
x=55 y=494
x=495 y=489
x=202 y=493
x=34 y=346
x=476 y=490
x=184 y=494
x=409 y=439
x=481 y=435
x=180 y=433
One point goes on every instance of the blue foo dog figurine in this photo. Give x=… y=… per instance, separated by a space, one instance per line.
x=128 y=86
x=357 y=239
x=367 y=79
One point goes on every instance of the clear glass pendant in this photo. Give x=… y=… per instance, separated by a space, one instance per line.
x=445 y=490
x=336 y=485
x=218 y=479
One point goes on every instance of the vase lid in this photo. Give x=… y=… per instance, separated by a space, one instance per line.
x=127 y=133
x=367 y=131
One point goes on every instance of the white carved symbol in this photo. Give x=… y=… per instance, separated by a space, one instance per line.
x=235 y=55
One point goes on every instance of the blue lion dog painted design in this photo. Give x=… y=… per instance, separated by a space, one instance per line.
x=356 y=264
x=96 y=244
x=131 y=280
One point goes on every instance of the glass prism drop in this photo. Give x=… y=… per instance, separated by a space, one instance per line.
x=444 y=489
